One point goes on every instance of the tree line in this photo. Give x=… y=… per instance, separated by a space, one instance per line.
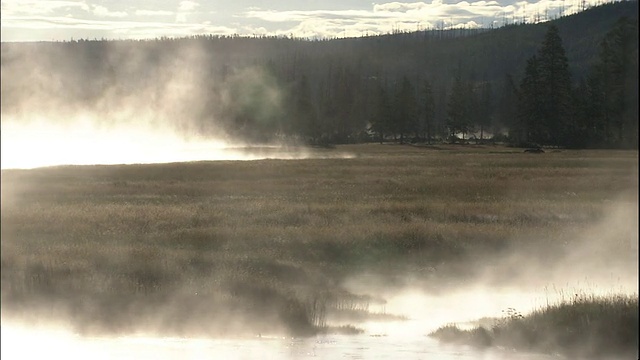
x=519 y=84
x=602 y=111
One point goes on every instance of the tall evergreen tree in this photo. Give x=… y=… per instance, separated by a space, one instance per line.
x=545 y=101
x=381 y=120
x=507 y=108
x=441 y=117
x=459 y=108
x=614 y=86
x=555 y=80
x=304 y=112
x=485 y=107
x=588 y=132
x=405 y=110
x=530 y=127
x=428 y=111
x=345 y=123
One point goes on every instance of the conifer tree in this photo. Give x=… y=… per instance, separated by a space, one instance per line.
x=459 y=108
x=614 y=86
x=555 y=82
x=484 y=107
x=380 y=123
x=405 y=113
x=530 y=127
x=545 y=97
x=428 y=111
x=305 y=115
x=507 y=108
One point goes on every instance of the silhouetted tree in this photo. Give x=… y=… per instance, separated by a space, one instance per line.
x=304 y=112
x=484 y=106
x=459 y=107
x=556 y=86
x=530 y=126
x=428 y=111
x=405 y=114
x=545 y=101
x=614 y=86
x=381 y=121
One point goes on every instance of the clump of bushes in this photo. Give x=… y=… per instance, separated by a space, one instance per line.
x=585 y=326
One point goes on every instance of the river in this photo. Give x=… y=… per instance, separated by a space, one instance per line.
x=398 y=339
x=29 y=343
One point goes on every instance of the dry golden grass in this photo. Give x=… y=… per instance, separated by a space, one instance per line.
x=278 y=236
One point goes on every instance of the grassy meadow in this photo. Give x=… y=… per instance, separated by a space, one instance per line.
x=229 y=247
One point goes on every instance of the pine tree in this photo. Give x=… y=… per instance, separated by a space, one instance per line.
x=613 y=85
x=428 y=111
x=530 y=128
x=589 y=125
x=507 y=108
x=483 y=107
x=459 y=108
x=305 y=115
x=405 y=110
x=545 y=99
x=380 y=122
x=555 y=80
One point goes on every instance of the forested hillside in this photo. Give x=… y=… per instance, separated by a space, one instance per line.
x=437 y=85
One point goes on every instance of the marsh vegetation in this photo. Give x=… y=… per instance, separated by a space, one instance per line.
x=271 y=246
x=579 y=326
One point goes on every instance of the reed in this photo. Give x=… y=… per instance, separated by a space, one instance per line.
x=583 y=326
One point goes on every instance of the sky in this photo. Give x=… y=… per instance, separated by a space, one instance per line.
x=64 y=20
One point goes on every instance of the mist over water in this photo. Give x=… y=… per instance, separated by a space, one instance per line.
x=146 y=108
x=424 y=311
x=41 y=143
x=380 y=340
x=55 y=342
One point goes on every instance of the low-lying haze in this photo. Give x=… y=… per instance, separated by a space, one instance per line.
x=38 y=144
x=147 y=108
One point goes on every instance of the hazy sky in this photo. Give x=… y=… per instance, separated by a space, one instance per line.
x=46 y=20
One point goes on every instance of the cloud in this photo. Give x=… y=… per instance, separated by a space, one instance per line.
x=400 y=7
x=123 y=29
x=187 y=5
x=26 y=7
x=141 y=12
x=381 y=18
x=50 y=22
x=191 y=17
x=406 y=16
x=185 y=8
x=104 y=12
x=288 y=16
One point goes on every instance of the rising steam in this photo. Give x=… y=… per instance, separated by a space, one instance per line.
x=600 y=260
x=148 y=107
x=85 y=142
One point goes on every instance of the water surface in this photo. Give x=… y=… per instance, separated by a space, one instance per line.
x=29 y=343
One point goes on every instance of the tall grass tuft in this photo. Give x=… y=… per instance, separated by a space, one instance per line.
x=584 y=326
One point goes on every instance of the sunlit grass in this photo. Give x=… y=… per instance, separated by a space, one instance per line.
x=581 y=325
x=186 y=247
